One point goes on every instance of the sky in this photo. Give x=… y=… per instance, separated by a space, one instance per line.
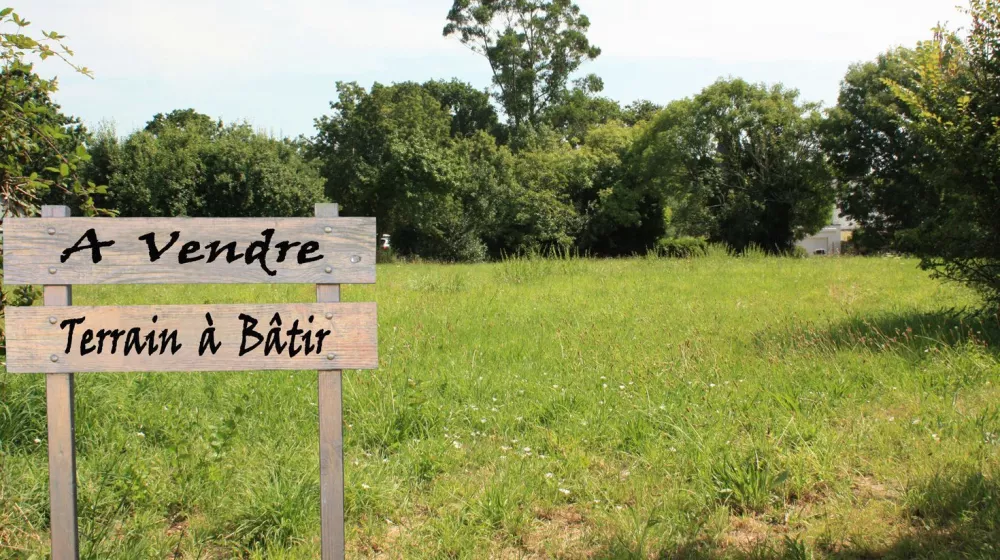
x=275 y=64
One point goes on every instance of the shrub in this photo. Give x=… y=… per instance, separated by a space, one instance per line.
x=682 y=247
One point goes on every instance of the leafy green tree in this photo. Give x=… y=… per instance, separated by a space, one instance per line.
x=390 y=153
x=532 y=46
x=41 y=149
x=955 y=107
x=582 y=108
x=740 y=163
x=875 y=154
x=186 y=164
x=470 y=109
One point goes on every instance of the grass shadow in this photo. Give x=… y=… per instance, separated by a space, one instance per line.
x=951 y=515
x=912 y=334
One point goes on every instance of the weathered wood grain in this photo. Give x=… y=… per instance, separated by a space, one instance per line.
x=331 y=436
x=33 y=248
x=59 y=411
x=37 y=338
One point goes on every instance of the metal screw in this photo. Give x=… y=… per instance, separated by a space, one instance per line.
x=356 y=259
x=52 y=270
x=52 y=320
x=329 y=315
x=54 y=358
x=331 y=356
x=328 y=229
x=328 y=269
x=52 y=231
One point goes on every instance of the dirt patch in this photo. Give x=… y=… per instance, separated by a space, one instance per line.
x=556 y=533
x=746 y=534
x=867 y=488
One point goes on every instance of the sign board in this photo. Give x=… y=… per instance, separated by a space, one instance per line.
x=189 y=251
x=61 y=339
x=192 y=338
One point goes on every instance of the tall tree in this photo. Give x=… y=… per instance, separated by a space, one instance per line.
x=742 y=163
x=470 y=108
x=874 y=152
x=955 y=103
x=532 y=46
x=186 y=164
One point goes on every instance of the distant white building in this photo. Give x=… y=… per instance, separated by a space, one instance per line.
x=830 y=239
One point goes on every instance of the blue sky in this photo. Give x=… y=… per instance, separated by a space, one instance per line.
x=275 y=64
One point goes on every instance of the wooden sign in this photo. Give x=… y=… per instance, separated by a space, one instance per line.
x=192 y=338
x=189 y=251
x=61 y=339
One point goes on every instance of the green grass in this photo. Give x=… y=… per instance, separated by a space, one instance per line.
x=643 y=408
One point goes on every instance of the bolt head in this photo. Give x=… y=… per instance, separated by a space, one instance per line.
x=54 y=358
x=331 y=356
x=52 y=320
x=51 y=231
x=329 y=315
x=328 y=229
x=52 y=270
x=328 y=269
x=356 y=259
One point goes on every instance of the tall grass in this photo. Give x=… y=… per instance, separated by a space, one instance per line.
x=557 y=407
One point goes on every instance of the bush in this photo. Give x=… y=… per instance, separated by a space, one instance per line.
x=682 y=247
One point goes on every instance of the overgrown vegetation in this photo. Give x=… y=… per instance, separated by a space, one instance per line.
x=558 y=407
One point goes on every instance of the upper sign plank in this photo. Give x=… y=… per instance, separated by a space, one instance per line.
x=65 y=251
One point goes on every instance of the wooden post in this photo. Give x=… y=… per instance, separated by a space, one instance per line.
x=331 y=435
x=62 y=449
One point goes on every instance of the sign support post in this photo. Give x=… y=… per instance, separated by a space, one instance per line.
x=62 y=449
x=331 y=435
x=61 y=340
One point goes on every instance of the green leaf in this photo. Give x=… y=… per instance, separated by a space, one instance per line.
x=6 y=12
x=63 y=169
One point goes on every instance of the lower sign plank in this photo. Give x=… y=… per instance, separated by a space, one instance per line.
x=192 y=338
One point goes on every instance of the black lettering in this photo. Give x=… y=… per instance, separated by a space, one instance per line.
x=248 y=331
x=305 y=250
x=151 y=342
x=85 y=339
x=214 y=250
x=150 y=239
x=323 y=333
x=133 y=341
x=71 y=323
x=115 y=335
x=101 y=335
x=292 y=333
x=172 y=339
x=208 y=338
x=274 y=337
x=262 y=247
x=187 y=251
x=94 y=246
x=284 y=247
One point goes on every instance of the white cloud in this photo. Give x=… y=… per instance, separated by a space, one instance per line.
x=759 y=30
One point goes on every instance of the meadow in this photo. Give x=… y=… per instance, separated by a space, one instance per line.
x=715 y=407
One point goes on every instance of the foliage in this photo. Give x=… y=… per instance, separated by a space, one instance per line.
x=41 y=149
x=470 y=109
x=682 y=247
x=740 y=163
x=186 y=164
x=390 y=153
x=875 y=154
x=532 y=46
x=955 y=108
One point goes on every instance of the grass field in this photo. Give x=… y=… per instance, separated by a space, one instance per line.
x=717 y=407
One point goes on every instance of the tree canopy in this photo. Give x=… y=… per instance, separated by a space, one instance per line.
x=533 y=47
